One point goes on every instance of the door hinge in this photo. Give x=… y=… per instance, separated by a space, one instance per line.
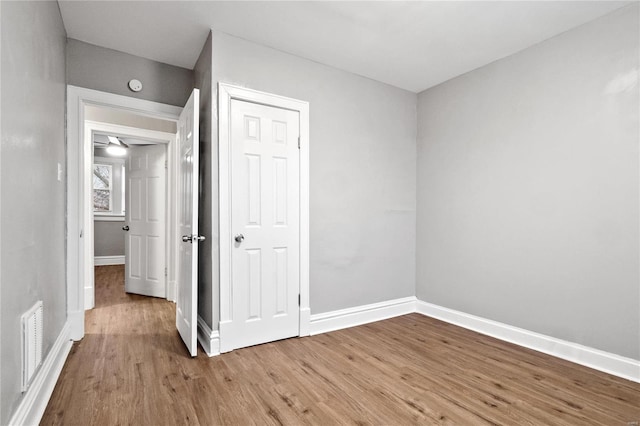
x=165 y=272
x=165 y=164
x=298 y=142
x=298 y=299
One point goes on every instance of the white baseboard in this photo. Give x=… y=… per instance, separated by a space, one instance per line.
x=617 y=365
x=350 y=317
x=209 y=339
x=35 y=400
x=108 y=260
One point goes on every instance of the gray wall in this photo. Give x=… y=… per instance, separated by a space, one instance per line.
x=109 y=238
x=109 y=70
x=528 y=188
x=33 y=107
x=208 y=261
x=362 y=171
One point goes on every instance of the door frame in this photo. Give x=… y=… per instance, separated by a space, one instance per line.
x=79 y=247
x=158 y=138
x=227 y=93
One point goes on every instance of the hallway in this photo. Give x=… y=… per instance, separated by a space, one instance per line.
x=109 y=375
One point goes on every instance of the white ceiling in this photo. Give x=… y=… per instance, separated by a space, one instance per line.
x=412 y=45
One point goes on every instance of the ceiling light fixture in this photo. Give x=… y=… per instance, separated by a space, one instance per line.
x=116 y=147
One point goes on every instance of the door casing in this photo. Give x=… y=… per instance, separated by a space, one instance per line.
x=79 y=247
x=226 y=93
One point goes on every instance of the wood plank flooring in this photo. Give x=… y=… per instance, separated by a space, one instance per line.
x=132 y=368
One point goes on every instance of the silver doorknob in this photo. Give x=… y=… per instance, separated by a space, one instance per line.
x=199 y=237
x=125 y=228
x=239 y=238
x=186 y=238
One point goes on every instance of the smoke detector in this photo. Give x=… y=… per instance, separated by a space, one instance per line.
x=135 y=85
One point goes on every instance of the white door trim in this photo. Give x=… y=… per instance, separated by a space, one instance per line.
x=226 y=93
x=79 y=250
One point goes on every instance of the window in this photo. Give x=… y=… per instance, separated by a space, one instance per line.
x=108 y=187
x=102 y=188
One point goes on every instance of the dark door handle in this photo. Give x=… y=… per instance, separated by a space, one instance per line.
x=125 y=228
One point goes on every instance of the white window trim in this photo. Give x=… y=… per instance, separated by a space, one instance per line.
x=98 y=217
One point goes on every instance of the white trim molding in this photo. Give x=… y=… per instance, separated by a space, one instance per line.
x=351 y=317
x=35 y=400
x=108 y=260
x=209 y=339
x=305 y=321
x=75 y=319
x=108 y=218
x=171 y=290
x=89 y=297
x=607 y=362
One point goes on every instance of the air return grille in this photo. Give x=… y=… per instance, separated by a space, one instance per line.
x=31 y=343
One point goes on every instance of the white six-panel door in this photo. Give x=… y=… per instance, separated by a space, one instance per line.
x=187 y=285
x=145 y=212
x=265 y=225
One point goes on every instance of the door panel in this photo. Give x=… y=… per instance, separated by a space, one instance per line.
x=145 y=212
x=187 y=285
x=265 y=203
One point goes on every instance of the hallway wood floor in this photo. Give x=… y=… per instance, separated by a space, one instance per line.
x=132 y=369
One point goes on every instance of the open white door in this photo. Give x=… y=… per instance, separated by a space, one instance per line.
x=187 y=286
x=145 y=221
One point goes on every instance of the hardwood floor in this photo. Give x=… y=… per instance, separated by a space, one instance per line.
x=132 y=368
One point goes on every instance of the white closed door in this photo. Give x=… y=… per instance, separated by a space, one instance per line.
x=145 y=224
x=265 y=225
x=187 y=198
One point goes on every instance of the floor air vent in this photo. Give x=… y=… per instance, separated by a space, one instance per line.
x=31 y=343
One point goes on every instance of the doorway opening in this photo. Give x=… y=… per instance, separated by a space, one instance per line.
x=132 y=198
x=92 y=117
x=182 y=174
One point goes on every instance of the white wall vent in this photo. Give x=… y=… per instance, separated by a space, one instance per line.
x=31 y=343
